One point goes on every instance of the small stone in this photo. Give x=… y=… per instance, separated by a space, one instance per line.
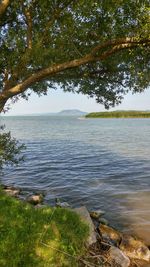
x=85 y=216
x=118 y=258
x=134 y=249
x=103 y=221
x=61 y=204
x=12 y=191
x=35 y=199
x=96 y=214
x=110 y=235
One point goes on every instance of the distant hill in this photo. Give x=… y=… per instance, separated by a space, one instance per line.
x=71 y=112
x=119 y=114
x=67 y=112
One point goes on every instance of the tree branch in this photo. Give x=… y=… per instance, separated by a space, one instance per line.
x=52 y=70
x=56 y=14
x=24 y=60
x=27 y=12
x=119 y=41
x=5 y=80
x=116 y=49
x=2 y=103
x=3 y=6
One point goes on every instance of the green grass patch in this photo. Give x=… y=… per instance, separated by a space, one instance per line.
x=119 y=114
x=22 y=228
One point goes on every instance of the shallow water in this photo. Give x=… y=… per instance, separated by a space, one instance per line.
x=100 y=163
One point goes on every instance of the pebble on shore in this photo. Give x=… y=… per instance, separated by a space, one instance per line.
x=35 y=199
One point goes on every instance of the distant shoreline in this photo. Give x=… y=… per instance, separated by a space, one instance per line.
x=66 y=112
x=119 y=114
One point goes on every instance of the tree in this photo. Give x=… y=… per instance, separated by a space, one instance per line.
x=99 y=48
x=9 y=149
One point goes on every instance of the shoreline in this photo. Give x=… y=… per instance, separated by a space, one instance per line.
x=119 y=115
x=113 y=240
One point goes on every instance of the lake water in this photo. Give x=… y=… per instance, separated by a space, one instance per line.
x=101 y=163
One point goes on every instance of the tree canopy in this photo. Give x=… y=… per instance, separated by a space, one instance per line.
x=98 y=48
x=9 y=149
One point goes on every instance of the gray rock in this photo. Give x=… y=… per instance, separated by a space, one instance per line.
x=103 y=221
x=85 y=216
x=61 y=204
x=134 y=249
x=118 y=258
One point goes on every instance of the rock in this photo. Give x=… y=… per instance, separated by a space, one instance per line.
x=62 y=204
x=85 y=216
x=12 y=191
x=139 y=263
x=35 y=199
x=135 y=249
x=103 y=221
x=109 y=234
x=117 y=258
x=96 y=214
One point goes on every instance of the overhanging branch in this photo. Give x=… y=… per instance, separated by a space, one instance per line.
x=120 y=41
x=115 y=47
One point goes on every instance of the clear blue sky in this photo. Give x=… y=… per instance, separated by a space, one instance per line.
x=57 y=100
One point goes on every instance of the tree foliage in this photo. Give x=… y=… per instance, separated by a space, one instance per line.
x=99 y=48
x=9 y=149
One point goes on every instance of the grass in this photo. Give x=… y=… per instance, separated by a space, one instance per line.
x=119 y=114
x=22 y=228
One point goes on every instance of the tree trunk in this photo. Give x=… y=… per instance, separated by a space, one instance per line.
x=3 y=5
x=2 y=103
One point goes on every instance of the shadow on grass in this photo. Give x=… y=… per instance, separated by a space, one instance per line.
x=24 y=230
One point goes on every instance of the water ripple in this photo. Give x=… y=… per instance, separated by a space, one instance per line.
x=103 y=164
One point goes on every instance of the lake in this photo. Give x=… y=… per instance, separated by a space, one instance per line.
x=101 y=163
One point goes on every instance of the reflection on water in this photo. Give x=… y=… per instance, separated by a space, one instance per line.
x=101 y=163
x=138 y=209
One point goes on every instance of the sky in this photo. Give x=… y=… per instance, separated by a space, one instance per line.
x=57 y=100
